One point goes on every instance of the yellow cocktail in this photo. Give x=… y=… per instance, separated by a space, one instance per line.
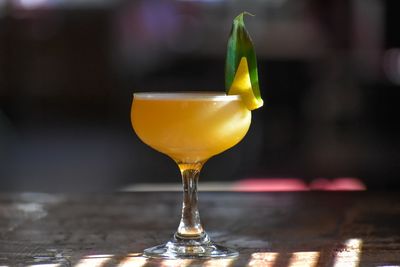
x=190 y=127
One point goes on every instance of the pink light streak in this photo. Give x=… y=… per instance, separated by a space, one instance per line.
x=297 y=184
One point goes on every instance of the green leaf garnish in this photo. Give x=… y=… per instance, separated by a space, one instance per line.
x=240 y=45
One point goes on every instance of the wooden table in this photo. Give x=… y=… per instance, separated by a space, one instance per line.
x=269 y=229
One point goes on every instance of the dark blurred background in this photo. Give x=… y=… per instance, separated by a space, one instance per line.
x=329 y=74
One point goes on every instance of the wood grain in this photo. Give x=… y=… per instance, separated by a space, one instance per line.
x=269 y=229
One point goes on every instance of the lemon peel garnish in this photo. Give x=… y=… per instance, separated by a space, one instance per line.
x=241 y=85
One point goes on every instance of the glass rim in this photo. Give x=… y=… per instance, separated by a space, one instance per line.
x=186 y=95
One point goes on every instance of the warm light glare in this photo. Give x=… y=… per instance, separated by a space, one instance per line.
x=304 y=259
x=136 y=254
x=94 y=261
x=133 y=260
x=218 y=263
x=175 y=263
x=349 y=255
x=262 y=259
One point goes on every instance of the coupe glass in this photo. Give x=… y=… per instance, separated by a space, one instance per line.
x=190 y=128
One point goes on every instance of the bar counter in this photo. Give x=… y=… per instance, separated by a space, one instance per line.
x=268 y=229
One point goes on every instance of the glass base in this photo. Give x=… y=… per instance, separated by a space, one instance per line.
x=188 y=249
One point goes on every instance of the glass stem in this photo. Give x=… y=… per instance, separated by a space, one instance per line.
x=190 y=227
